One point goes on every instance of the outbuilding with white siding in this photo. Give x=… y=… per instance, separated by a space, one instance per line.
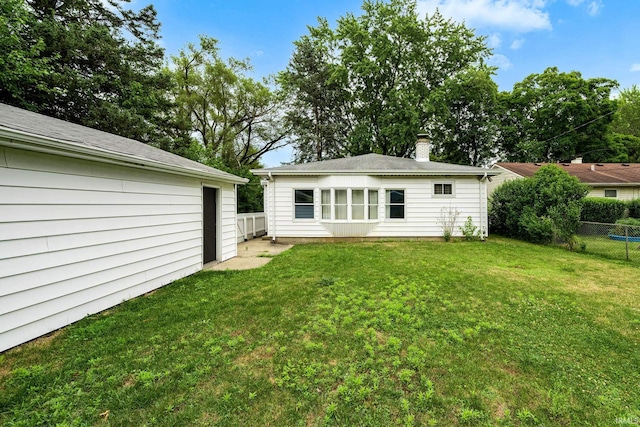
x=89 y=219
x=372 y=196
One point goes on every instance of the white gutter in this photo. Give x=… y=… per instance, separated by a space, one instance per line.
x=25 y=141
x=272 y=203
x=376 y=173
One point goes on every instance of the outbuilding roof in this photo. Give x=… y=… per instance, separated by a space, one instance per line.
x=588 y=173
x=374 y=164
x=32 y=131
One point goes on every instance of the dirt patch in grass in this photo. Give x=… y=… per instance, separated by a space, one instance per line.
x=256 y=355
x=38 y=343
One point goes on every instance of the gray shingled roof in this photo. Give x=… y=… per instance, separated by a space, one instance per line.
x=103 y=144
x=375 y=164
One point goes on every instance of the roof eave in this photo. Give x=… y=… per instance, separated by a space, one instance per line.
x=613 y=184
x=26 y=141
x=267 y=172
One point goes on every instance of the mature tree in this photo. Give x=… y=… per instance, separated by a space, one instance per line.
x=317 y=112
x=21 y=64
x=234 y=118
x=627 y=118
x=467 y=128
x=556 y=116
x=104 y=67
x=383 y=67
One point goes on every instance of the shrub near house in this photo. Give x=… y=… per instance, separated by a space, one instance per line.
x=538 y=209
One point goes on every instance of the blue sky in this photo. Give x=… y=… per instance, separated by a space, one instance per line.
x=599 y=38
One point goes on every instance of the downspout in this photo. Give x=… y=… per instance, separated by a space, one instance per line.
x=272 y=207
x=483 y=181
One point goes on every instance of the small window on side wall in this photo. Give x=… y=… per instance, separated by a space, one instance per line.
x=443 y=189
x=611 y=193
x=395 y=204
x=303 y=201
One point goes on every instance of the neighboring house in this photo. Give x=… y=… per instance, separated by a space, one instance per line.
x=89 y=219
x=614 y=180
x=372 y=196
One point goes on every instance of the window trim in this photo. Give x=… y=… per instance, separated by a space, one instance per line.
x=312 y=204
x=443 y=183
x=388 y=217
x=611 y=189
x=349 y=205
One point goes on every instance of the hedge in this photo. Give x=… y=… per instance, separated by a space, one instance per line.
x=634 y=208
x=597 y=209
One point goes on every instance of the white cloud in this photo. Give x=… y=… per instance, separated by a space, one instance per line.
x=257 y=53
x=513 y=15
x=500 y=61
x=517 y=44
x=494 y=40
x=635 y=68
x=594 y=8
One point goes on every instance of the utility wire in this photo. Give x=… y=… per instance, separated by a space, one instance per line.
x=578 y=127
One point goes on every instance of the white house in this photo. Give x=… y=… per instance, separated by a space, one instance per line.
x=372 y=196
x=612 y=180
x=89 y=219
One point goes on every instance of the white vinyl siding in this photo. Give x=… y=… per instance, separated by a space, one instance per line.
x=622 y=193
x=77 y=237
x=421 y=209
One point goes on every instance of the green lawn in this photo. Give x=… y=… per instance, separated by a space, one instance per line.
x=501 y=333
x=615 y=249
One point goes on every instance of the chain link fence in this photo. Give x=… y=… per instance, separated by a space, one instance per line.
x=610 y=240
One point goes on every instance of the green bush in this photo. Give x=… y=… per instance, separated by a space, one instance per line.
x=566 y=221
x=634 y=208
x=506 y=206
x=599 y=209
x=535 y=229
x=538 y=209
x=470 y=231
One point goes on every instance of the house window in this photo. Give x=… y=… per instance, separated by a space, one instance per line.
x=303 y=201
x=395 y=204
x=326 y=204
x=443 y=189
x=340 y=205
x=373 y=204
x=611 y=193
x=357 y=204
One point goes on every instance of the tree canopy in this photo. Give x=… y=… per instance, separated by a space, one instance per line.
x=380 y=70
x=556 y=116
x=90 y=62
x=369 y=83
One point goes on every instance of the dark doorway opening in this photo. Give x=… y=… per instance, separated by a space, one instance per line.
x=209 y=226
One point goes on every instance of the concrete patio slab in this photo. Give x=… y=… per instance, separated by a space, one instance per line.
x=251 y=254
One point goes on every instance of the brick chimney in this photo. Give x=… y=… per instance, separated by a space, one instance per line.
x=423 y=146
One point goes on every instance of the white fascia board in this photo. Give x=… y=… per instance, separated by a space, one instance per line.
x=26 y=141
x=260 y=172
x=613 y=184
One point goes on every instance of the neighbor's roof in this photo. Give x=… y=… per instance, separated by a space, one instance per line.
x=588 y=173
x=374 y=164
x=32 y=131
